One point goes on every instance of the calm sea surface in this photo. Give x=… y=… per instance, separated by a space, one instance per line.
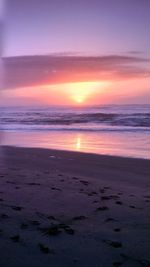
x=114 y=129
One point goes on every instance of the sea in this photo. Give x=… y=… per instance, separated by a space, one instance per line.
x=120 y=130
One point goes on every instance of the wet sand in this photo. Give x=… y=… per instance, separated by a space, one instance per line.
x=61 y=208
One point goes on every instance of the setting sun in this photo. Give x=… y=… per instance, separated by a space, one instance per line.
x=65 y=93
x=79 y=99
x=80 y=92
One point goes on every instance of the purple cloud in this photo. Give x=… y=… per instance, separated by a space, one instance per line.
x=33 y=70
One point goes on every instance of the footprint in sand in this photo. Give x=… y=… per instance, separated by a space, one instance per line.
x=46 y=249
x=52 y=230
x=141 y=262
x=55 y=188
x=132 y=207
x=66 y=228
x=15 y=238
x=103 y=208
x=119 y=203
x=84 y=182
x=17 y=187
x=75 y=178
x=9 y=182
x=114 y=197
x=17 y=208
x=57 y=229
x=79 y=218
x=105 y=198
x=34 y=222
x=120 y=194
x=117 y=230
x=102 y=191
x=107 y=187
x=81 y=190
x=95 y=201
x=50 y=217
x=110 y=220
x=93 y=193
x=4 y=216
x=24 y=226
x=117 y=263
x=114 y=244
x=14 y=169
x=33 y=183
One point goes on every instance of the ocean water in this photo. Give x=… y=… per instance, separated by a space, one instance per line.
x=113 y=129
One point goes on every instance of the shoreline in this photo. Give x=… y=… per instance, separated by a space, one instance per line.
x=64 y=208
x=76 y=152
x=106 y=143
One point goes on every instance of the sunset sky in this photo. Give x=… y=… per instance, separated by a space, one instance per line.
x=76 y=52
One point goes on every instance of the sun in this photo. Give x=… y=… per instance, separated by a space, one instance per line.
x=81 y=91
x=73 y=93
x=79 y=99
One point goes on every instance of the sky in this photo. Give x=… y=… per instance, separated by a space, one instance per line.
x=83 y=51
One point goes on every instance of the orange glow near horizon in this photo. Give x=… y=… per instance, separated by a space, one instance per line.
x=79 y=93
x=66 y=93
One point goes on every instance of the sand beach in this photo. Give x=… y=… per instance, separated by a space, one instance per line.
x=63 y=208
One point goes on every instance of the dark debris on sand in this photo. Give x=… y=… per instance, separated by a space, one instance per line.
x=56 y=229
x=51 y=230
